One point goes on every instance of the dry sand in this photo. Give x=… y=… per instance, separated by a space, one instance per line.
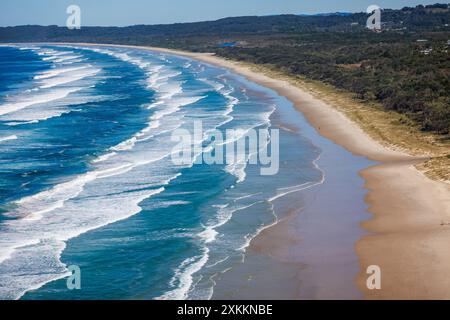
x=410 y=228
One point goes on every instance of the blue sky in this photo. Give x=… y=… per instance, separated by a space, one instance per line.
x=130 y=12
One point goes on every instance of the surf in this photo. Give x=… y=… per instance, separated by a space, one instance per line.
x=126 y=176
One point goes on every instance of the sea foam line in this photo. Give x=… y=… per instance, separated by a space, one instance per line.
x=184 y=276
x=37 y=99
x=55 y=199
x=56 y=72
x=58 y=81
x=286 y=191
x=190 y=265
x=8 y=138
x=58 y=241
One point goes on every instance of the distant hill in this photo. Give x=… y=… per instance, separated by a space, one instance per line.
x=344 y=14
x=431 y=18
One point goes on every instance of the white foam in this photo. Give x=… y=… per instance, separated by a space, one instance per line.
x=45 y=52
x=224 y=214
x=40 y=98
x=43 y=241
x=66 y=58
x=281 y=192
x=57 y=71
x=28 y=48
x=34 y=114
x=72 y=77
x=171 y=107
x=103 y=195
x=8 y=138
x=237 y=169
x=167 y=103
x=40 y=102
x=160 y=78
x=238 y=165
x=216 y=85
x=63 y=203
x=247 y=196
x=286 y=191
x=174 y=105
x=104 y=157
x=66 y=63
x=183 y=278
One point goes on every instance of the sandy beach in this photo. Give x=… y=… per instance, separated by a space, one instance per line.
x=409 y=232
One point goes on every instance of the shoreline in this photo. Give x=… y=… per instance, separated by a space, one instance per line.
x=410 y=211
x=410 y=228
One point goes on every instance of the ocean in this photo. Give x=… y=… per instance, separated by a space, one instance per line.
x=86 y=177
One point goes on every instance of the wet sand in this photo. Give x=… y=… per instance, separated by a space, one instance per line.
x=407 y=236
x=309 y=253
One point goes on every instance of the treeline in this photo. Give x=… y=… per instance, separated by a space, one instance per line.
x=402 y=74
x=430 y=18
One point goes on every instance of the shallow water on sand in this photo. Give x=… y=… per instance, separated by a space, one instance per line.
x=310 y=253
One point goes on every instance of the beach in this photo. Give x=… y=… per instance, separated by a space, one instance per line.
x=373 y=208
x=409 y=230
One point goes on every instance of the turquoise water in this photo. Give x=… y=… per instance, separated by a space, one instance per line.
x=86 y=176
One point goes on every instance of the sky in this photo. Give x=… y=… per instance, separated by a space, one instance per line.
x=131 y=12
